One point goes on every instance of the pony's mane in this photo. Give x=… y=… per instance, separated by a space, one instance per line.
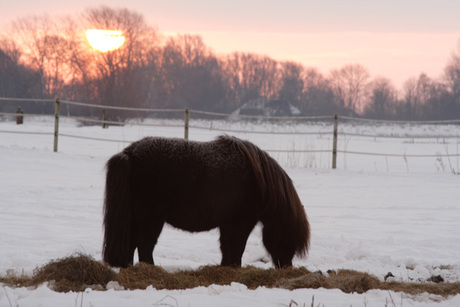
x=276 y=189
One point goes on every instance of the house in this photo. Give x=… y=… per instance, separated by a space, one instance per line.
x=265 y=107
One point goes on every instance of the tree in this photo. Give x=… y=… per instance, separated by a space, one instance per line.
x=45 y=49
x=317 y=96
x=251 y=76
x=382 y=100
x=80 y=84
x=9 y=69
x=440 y=104
x=125 y=76
x=417 y=91
x=452 y=79
x=17 y=80
x=349 y=85
x=291 y=83
x=192 y=75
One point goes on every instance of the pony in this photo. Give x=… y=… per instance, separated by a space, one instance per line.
x=227 y=183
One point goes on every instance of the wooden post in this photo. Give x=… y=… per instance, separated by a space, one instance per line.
x=104 y=118
x=186 y=124
x=334 y=142
x=56 y=124
x=19 y=116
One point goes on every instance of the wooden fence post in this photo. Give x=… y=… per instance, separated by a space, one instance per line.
x=186 y=124
x=334 y=142
x=56 y=124
x=19 y=116
x=104 y=118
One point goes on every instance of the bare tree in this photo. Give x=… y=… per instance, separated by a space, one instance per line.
x=440 y=105
x=45 y=49
x=417 y=91
x=349 y=84
x=452 y=79
x=9 y=64
x=291 y=83
x=193 y=75
x=80 y=83
x=16 y=79
x=382 y=100
x=122 y=77
x=251 y=76
x=317 y=96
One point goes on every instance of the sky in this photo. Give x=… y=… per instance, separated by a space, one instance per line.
x=397 y=39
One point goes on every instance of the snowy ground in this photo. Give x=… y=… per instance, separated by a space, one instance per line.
x=373 y=214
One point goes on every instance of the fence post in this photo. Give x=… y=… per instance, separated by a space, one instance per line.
x=19 y=116
x=56 y=124
x=334 y=142
x=186 y=124
x=105 y=125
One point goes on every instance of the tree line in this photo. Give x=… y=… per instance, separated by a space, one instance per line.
x=43 y=57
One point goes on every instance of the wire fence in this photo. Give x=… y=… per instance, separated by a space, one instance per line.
x=191 y=123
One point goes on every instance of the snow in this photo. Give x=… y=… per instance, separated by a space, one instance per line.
x=373 y=214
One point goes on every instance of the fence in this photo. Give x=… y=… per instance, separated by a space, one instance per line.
x=187 y=126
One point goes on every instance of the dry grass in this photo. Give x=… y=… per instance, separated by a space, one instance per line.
x=79 y=271
x=142 y=275
x=73 y=273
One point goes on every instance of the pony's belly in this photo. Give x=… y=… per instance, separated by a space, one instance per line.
x=192 y=225
x=197 y=214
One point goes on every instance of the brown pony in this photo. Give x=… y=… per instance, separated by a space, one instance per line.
x=197 y=186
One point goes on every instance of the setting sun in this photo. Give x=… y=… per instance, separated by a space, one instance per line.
x=105 y=40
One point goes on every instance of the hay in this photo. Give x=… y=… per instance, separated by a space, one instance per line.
x=442 y=289
x=73 y=273
x=313 y=281
x=143 y=275
x=351 y=281
x=77 y=272
x=345 y=280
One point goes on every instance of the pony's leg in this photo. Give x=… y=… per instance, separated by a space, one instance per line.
x=233 y=238
x=132 y=244
x=147 y=237
x=132 y=248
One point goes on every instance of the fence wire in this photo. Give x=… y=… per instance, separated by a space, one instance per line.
x=396 y=155
x=261 y=117
x=410 y=122
x=260 y=132
x=27 y=99
x=232 y=117
x=26 y=132
x=392 y=136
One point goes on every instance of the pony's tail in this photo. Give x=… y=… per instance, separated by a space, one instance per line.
x=284 y=218
x=117 y=246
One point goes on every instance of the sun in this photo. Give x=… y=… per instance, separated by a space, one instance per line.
x=105 y=40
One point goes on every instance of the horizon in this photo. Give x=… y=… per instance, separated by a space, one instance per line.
x=396 y=40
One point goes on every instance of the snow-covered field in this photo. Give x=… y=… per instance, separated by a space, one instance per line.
x=375 y=214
